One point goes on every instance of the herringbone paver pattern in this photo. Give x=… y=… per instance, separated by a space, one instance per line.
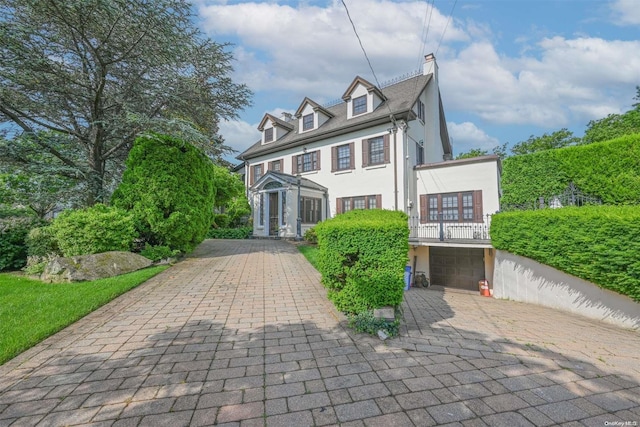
x=242 y=334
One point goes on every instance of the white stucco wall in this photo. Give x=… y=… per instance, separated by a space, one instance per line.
x=372 y=180
x=522 y=279
x=463 y=175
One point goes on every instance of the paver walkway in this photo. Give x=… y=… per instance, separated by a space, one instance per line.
x=241 y=333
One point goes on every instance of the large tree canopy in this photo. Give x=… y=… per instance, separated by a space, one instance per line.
x=101 y=71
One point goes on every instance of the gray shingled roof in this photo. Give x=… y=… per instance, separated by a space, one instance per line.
x=291 y=179
x=400 y=98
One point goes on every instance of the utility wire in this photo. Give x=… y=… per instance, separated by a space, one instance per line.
x=446 y=26
x=426 y=25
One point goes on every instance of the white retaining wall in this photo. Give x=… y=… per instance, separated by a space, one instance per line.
x=522 y=279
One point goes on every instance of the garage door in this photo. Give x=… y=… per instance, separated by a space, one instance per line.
x=456 y=267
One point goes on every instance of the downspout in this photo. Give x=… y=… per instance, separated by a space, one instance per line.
x=395 y=165
x=409 y=205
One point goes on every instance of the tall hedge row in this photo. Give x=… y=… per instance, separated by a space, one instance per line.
x=600 y=244
x=608 y=170
x=361 y=256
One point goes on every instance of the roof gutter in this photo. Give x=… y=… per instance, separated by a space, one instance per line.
x=407 y=114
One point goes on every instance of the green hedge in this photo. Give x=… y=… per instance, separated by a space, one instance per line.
x=600 y=244
x=361 y=256
x=230 y=233
x=608 y=170
x=94 y=230
x=14 y=228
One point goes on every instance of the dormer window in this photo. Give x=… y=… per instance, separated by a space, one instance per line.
x=307 y=122
x=362 y=98
x=273 y=129
x=268 y=135
x=359 y=105
x=311 y=115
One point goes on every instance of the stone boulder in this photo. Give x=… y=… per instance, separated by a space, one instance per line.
x=92 y=267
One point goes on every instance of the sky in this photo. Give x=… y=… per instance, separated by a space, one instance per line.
x=508 y=69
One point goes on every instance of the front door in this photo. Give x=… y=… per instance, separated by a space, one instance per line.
x=274 y=220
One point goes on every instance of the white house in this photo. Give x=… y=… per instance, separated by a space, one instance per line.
x=385 y=148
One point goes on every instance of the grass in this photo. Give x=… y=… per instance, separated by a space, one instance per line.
x=310 y=252
x=31 y=310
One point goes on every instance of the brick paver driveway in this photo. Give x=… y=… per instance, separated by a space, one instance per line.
x=241 y=333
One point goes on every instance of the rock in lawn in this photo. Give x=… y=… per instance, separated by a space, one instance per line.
x=92 y=267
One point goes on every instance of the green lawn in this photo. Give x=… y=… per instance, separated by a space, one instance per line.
x=31 y=311
x=310 y=253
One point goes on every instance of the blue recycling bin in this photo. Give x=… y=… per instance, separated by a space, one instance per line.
x=407 y=277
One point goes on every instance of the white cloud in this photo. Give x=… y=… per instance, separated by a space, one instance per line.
x=288 y=52
x=314 y=51
x=626 y=12
x=467 y=135
x=238 y=135
x=569 y=80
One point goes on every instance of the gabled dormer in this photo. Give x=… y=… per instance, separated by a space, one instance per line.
x=311 y=115
x=273 y=128
x=362 y=97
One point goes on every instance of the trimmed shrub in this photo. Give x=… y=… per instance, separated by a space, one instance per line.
x=608 y=170
x=311 y=236
x=169 y=187
x=41 y=242
x=366 y=322
x=14 y=228
x=94 y=230
x=361 y=256
x=230 y=233
x=600 y=244
x=157 y=253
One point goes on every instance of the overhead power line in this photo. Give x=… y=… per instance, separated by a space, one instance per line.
x=446 y=26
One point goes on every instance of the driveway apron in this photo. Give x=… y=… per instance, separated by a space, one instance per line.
x=241 y=334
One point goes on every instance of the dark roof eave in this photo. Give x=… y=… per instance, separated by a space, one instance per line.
x=406 y=114
x=458 y=162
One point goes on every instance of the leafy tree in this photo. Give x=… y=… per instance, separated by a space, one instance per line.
x=169 y=187
x=557 y=139
x=100 y=72
x=231 y=200
x=498 y=150
x=474 y=152
x=613 y=126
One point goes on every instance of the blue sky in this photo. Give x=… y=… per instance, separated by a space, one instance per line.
x=508 y=68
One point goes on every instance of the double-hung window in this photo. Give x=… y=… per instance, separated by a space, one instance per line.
x=376 y=151
x=307 y=122
x=256 y=172
x=342 y=157
x=268 y=135
x=359 y=105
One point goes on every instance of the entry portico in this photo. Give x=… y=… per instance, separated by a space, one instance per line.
x=280 y=200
